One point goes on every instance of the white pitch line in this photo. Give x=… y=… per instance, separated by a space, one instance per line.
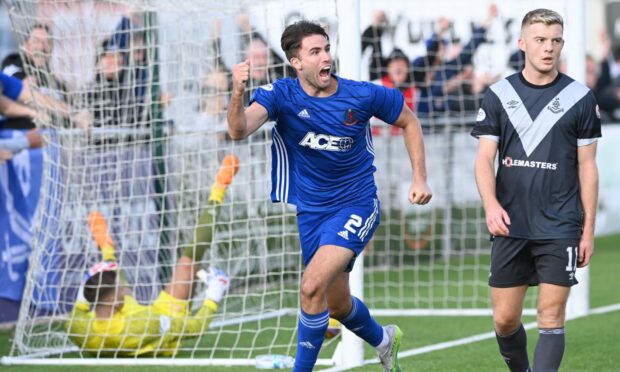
x=468 y=340
x=605 y=309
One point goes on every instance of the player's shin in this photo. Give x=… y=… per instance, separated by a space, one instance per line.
x=310 y=335
x=362 y=324
x=513 y=348
x=549 y=349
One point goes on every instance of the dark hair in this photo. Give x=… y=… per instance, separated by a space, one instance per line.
x=398 y=54
x=100 y=286
x=293 y=35
x=42 y=26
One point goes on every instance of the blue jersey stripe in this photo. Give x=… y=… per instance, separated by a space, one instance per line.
x=369 y=221
x=369 y=145
x=281 y=162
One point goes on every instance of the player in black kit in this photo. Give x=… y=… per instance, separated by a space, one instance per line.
x=540 y=207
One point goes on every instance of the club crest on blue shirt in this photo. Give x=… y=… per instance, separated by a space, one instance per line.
x=349 y=117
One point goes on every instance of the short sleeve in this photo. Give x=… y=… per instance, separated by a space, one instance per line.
x=589 y=126
x=387 y=103
x=487 y=121
x=266 y=96
x=11 y=87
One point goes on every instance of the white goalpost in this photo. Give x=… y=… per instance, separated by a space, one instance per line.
x=145 y=135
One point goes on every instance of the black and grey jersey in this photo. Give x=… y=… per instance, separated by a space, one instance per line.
x=538 y=130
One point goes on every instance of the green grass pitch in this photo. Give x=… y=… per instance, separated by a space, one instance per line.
x=592 y=341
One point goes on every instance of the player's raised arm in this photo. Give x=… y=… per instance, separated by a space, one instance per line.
x=419 y=192
x=243 y=122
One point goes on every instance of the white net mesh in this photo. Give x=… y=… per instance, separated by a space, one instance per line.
x=150 y=79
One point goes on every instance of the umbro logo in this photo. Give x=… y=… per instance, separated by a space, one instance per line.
x=512 y=104
x=307 y=345
x=344 y=234
x=555 y=106
x=304 y=114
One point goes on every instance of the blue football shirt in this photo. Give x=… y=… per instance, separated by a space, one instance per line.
x=322 y=150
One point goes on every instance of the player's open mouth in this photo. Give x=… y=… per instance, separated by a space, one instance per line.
x=324 y=73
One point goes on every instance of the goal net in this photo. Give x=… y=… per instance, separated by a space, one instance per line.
x=137 y=129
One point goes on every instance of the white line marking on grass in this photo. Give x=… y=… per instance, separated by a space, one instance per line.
x=469 y=340
x=605 y=309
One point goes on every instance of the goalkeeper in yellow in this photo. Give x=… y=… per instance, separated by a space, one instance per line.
x=108 y=321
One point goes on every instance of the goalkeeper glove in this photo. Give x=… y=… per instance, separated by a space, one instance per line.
x=217 y=283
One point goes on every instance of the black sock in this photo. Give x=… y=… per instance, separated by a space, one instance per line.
x=549 y=349
x=513 y=348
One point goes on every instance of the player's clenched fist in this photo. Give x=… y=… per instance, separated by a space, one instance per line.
x=240 y=75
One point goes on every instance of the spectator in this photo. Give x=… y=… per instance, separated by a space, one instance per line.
x=34 y=69
x=129 y=39
x=266 y=66
x=610 y=65
x=398 y=76
x=19 y=142
x=110 y=97
x=214 y=94
x=214 y=91
x=371 y=38
x=464 y=91
x=607 y=87
x=591 y=72
x=435 y=73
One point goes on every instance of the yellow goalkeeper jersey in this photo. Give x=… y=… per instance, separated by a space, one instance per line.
x=138 y=329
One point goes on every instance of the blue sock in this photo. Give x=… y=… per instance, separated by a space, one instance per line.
x=310 y=334
x=362 y=324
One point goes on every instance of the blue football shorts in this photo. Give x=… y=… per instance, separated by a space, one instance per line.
x=349 y=227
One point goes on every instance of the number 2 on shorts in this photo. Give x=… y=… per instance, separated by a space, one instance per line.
x=354 y=221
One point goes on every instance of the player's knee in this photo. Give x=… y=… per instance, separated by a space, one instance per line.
x=311 y=289
x=506 y=324
x=550 y=317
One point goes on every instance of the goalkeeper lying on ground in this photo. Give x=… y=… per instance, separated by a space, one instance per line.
x=108 y=321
